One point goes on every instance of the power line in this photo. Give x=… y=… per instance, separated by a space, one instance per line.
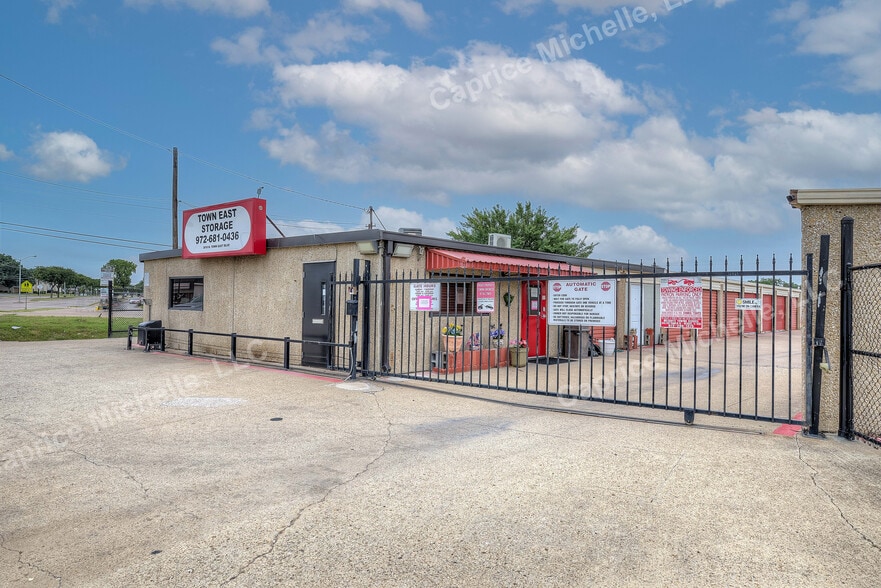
x=87 y=190
x=86 y=116
x=169 y=149
x=81 y=240
x=83 y=234
x=267 y=183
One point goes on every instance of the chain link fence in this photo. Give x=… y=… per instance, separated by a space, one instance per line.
x=866 y=352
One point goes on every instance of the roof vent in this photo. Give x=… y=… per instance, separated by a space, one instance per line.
x=410 y=231
x=500 y=240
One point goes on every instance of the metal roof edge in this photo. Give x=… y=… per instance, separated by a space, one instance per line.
x=342 y=237
x=833 y=196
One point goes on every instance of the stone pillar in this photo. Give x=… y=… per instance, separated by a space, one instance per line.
x=821 y=214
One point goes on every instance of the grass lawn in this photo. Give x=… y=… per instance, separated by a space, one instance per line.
x=54 y=328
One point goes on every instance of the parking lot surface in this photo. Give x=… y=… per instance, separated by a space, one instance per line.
x=124 y=468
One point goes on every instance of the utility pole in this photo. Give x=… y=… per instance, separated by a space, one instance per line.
x=174 y=200
x=370 y=222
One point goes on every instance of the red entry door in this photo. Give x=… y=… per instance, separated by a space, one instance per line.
x=534 y=316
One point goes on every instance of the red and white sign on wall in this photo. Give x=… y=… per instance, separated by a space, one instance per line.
x=486 y=297
x=682 y=303
x=232 y=228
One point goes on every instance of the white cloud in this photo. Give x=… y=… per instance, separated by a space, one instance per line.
x=324 y=35
x=642 y=243
x=852 y=33
x=246 y=48
x=234 y=8
x=659 y=7
x=411 y=12
x=796 y=11
x=70 y=156
x=56 y=7
x=394 y=219
x=5 y=153
x=562 y=131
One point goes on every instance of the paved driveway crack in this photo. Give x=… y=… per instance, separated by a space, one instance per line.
x=24 y=562
x=112 y=467
x=841 y=514
x=272 y=544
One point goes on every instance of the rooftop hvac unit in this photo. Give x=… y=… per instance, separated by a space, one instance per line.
x=500 y=240
x=410 y=231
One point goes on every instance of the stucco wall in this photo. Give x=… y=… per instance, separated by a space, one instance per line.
x=817 y=220
x=253 y=295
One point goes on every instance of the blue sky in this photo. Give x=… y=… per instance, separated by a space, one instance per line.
x=677 y=130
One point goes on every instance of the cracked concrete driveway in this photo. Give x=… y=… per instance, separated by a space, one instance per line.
x=121 y=468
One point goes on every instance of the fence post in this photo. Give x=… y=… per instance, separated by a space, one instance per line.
x=287 y=353
x=128 y=344
x=365 y=322
x=845 y=401
x=190 y=342
x=819 y=342
x=353 y=319
x=808 y=288
x=109 y=308
x=232 y=346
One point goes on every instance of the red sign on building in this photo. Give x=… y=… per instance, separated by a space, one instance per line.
x=232 y=228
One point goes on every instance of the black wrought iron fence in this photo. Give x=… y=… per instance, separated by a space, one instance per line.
x=742 y=356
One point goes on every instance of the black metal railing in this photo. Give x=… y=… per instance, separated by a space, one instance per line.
x=156 y=337
x=739 y=363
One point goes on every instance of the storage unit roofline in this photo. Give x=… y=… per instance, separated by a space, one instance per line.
x=379 y=235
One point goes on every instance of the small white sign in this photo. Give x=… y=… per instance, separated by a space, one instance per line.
x=224 y=229
x=748 y=304
x=425 y=296
x=587 y=303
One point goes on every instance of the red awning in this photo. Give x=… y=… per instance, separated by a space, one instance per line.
x=446 y=260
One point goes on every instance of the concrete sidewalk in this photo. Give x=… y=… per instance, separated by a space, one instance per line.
x=122 y=468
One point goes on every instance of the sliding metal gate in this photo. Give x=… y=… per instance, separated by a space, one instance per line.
x=746 y=360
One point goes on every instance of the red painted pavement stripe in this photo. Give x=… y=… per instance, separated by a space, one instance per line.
x=789 y=430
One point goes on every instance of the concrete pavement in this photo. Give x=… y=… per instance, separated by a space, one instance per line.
x=122 y=468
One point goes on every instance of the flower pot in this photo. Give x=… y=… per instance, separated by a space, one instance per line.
x=453 y=343
x=517 y=356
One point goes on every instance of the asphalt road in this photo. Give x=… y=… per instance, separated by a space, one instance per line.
x=124 y=468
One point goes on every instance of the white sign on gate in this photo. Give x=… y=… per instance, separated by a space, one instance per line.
x=682 y=303
x=748 y=304
x=425 y=296
x=587 y=303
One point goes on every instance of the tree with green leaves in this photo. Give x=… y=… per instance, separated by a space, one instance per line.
x=122 y=272
x=530 y=228
x=56 y=277
x=8 y=271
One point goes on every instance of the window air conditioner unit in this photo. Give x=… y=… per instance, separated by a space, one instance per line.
x=500 y=240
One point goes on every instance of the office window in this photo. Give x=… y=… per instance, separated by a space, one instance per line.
x=457 y=298
x=185 y=293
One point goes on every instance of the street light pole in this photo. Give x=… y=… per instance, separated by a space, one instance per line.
x=19 y=274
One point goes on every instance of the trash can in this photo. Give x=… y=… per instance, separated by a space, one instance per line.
x=149 y=333
x=608 y=347
x=572 y=342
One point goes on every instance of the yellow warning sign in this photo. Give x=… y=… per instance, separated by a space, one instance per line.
x=27 y=287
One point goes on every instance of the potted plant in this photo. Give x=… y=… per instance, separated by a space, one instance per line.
x=474 y=342
x=453 y=336
x=496 y=335
x=518 y=352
